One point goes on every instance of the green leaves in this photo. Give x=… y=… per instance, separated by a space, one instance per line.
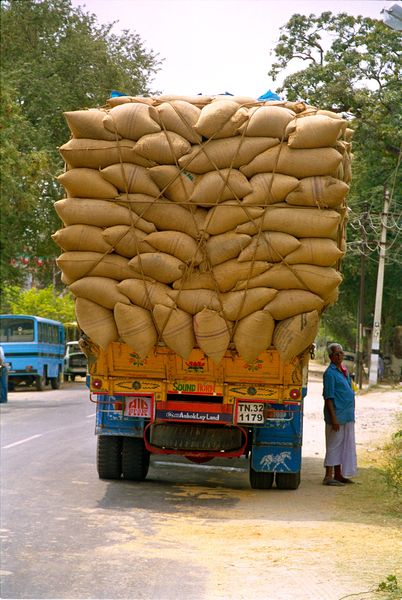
x=39 y=302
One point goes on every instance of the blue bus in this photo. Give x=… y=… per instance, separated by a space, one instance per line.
x=34 y=350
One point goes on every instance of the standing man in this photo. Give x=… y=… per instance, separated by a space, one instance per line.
x=3 y=376
x=339 y=414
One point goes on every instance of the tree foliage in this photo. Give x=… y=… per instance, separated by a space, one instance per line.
x=352 y=65
x=45 y=302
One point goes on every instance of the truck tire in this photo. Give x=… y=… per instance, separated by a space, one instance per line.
x=261 y=480
x=55 y=382
x=135 y=459
x=40 y=382
x=109 y=457
x=287 y=481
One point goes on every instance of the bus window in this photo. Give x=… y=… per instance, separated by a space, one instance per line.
x=17 y=330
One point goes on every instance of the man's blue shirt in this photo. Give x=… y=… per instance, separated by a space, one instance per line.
x=339 y=389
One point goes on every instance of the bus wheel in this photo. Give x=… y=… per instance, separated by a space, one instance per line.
x=108 y=457
x=40 y=382
x=261 y=480
x=135 y=459
x=55 y=382
x=72 y=377
x=287 y=481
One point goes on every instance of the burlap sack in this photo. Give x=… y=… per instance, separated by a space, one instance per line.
x=116 y=100
x=136 y=328
x=316 y=131
x=226 y=153
x=180 y=117
x=82 y=238
x=315 y=251
x=98 y=154
x=218 y=186
x=324 y=192
x=295 y=162
x=101 y=290
x=253 y=334
x=88 y=124
x=212 y=334
x=174 y=184
x=220 y=119
x=288 y=303
x=176 y=328
x=127 y=241
x=76 y=265
x=228 y=273
x=237 y=305
x=164 y=148
x=267 y=121
x=195 y=280
x=96 y=322
x=269 y=188
x=223 y=247
x=160 y=266
x=294 y=335
x=199 y=101
x=228 y=215
x=193 y=301
x=239 y=99
x=86 y=183
x=132 y=121
x=300 y=222
x=130 y=178
x=99 y=213
x=271 y=246
x=146 y=293
x=177 y=243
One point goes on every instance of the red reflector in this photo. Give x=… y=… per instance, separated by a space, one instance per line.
x=118 y=406
x=97 y=383
x=294 y=394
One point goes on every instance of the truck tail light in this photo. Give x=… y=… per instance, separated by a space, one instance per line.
x=294 y=394
x=97 y=383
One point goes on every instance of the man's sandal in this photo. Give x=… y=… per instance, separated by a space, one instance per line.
x=334 y=482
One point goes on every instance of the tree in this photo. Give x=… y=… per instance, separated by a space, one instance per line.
x=55 y=58
x=46 y=302
x=352 y=65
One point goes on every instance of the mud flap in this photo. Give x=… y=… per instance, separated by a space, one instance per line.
x=280 y=459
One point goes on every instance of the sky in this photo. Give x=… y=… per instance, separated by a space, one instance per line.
x=215 y=46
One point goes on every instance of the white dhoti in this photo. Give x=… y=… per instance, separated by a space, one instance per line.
x=341 y=448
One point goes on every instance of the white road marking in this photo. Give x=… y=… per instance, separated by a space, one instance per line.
x=197 y=466
x=22 y=441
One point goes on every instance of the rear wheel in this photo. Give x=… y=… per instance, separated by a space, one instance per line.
x=55 y=382
x=109 y=457
x=261 y=480
x=287 y=481
x=40 y=382
x=72 y=377
x=135 y=459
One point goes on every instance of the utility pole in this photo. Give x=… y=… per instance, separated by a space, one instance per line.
x=360 y=312
x=375 y=340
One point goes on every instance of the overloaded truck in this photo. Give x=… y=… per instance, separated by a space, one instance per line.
x=202 y=239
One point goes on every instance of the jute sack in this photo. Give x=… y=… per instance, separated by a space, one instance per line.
x=132 y=121
x=82 y=238
x=332 y=298
x=253 y=334
x=315 y=251
x=163 y=148
x=324 y=191
x=228 y=215
x=88 y=124
x=180 y=117
x=220 y=119
x=225 y=153
x=164 y=214
x=193 y=301
x=175 y=184
x=228 y=273
x=101 y=290
x=86 y=183
x=212 y=334
x=146 y=293
x=130 y=178
x=194 y=280
x=97 y=322
x=288 y=303
x=98 y=154
x=136 y=328
x=319 y=280
x=294 y=162
x=316 y=131
x=99 y=213
x=76 y=265
x=237 y=305
x=176 y=328
x=267 y=121
x=294 y=335
x=177 y=243
x=160 y=266
x=127 y=241
x=223 y=247
x=218 y=186
x=271 y=246
x=199 y=101
x=269 y=188
x=115 y=101
x=300 y=222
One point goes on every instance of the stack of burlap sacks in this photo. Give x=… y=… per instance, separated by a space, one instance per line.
x=203 y=222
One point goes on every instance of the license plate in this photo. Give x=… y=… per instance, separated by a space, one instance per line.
x=250 y=412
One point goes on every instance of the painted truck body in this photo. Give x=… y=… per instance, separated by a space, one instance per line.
x=195 y=408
